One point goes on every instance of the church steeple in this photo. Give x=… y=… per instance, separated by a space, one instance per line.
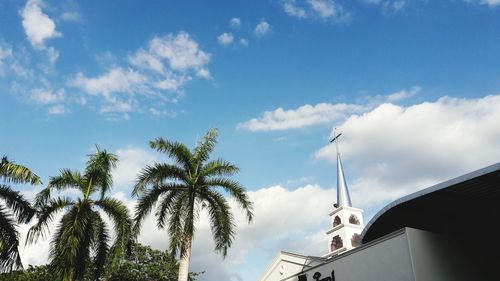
x=343 y=198
x=346 y=221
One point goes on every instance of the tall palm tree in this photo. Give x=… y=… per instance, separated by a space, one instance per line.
x=15 y=210
x=186 y=187
x=82 y=234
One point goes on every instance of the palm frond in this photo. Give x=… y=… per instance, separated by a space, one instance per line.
x=205 y=146
x=99 y=168
x=219 y=167
x=222 y=221
x=45 y=215
x=67 y=179
x=118 y=213
x=177 y=222
x=9 y=243
x=101 y=245
x=148 y=200
x=165 y=208
x=82 y=259
x=19 y=206
x=11 y=172
x=176 y=150
x=236 y=191
x=156 y=175
x=178 y=208
x=70 y=246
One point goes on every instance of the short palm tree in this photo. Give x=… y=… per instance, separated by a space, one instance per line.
x=82 y=234
x=14 y=210
x=186 y=187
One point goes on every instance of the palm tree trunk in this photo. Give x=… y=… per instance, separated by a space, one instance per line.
x=184 y=261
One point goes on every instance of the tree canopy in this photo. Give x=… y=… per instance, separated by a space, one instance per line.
x=14 y=209
x=82 y=235
x=181 y=190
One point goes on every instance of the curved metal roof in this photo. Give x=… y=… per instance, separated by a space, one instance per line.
x=469 y=203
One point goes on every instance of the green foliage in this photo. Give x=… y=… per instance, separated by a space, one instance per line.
x=14 y=209
x=15 y=173
x=145 y=264
x=182 y=189
x=82 y=237
x=32 y=273
x=142 y=264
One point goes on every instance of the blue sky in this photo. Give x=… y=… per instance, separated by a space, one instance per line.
x=413 y=85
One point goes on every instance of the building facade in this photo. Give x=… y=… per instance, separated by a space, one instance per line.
x=447 y=232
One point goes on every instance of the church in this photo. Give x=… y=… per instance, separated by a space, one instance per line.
x=446 y=232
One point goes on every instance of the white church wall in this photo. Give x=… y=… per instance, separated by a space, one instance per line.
x=288 y=264
x=408 y=255
x=383 y=260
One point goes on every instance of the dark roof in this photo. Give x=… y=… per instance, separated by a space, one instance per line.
x=466 y=204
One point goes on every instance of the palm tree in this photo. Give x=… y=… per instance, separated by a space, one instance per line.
x=82 y=234
x=183 y=189
x=14 y=210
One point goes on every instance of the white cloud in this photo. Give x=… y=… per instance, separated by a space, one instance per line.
x=116 y=80
x=5 y=54
x=324 y=8
x=181 y=52
x=174 y=83
x=398 y=149
x=155 y=73
x=398 y=5
x=54 y=101
x=11 y=62
x=315 y=9
x=58 y=110
x=388 y=5
x=52 y=55
x=174 y=53
x=306 y=115
x=394 y=97
x=115 y=105
x=491 y=2
x=244 y=42
x=145 y=59
x=262 y=28
x=162 y=112
x=271 y=231
x=403 y=94
x=290 y=7
x=117 y=87
x=322 y=113
x=235 y=22
x=47 y=96
x=33 y=254
x=38 y=26
x=204 y=73
x=131 y=161
x=225 y=38
x=71 y=16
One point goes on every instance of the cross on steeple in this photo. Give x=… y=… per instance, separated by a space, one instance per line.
x=346 y=221
x=336 y=136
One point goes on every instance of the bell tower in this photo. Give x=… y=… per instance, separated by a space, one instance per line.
x=346 y=222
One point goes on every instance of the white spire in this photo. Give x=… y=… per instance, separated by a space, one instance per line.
x=346 y=221
x=343 y=198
